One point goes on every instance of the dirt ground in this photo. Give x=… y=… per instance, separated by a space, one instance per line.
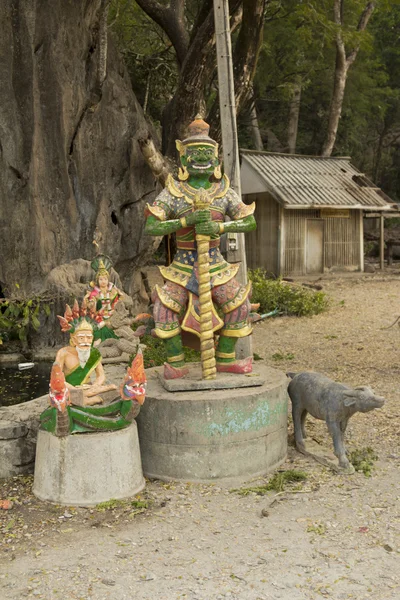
x=331 y=536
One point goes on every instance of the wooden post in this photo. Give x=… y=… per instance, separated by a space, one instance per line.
x=230 y=146
x=281 y=241
x=382 y=242
x=361 y=240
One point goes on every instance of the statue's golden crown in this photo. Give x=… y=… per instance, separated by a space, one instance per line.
x=198 y=131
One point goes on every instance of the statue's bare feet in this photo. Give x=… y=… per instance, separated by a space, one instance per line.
x=171 y=372
x=92 y=400
x=238 y=366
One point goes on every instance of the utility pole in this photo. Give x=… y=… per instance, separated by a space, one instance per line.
x=227 y=108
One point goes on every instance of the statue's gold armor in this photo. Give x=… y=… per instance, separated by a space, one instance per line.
x=176 y=304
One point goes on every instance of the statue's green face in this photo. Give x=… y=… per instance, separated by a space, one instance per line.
x=200 y=159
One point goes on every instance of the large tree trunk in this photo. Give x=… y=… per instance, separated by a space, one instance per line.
x=197 y=61
x=255 y=128
x=335 y=110
x=69 y=161
x=188 y=99
x=293 y=123
x=195 y=76
x=245 y=57
x=343 y=63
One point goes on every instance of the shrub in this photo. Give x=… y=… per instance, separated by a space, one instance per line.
x=19 y=316
x=288 y=299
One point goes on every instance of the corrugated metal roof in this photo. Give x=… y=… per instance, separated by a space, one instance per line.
x=305 y=181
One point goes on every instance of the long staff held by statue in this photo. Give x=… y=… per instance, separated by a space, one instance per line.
x=207 y=349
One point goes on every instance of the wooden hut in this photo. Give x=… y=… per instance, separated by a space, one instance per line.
x=309 y=212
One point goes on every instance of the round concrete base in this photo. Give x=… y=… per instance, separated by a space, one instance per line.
x=88 y=468
x=213 y=435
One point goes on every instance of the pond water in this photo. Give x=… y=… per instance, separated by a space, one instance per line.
x=20 y=386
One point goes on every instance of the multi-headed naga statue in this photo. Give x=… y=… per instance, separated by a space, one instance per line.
x=201 y=295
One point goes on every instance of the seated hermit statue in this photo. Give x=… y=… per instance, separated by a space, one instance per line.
x=80 y=359
x=196 y=208
x=76 y=403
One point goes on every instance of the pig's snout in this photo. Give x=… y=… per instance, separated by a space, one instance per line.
x=372 y=402
x=378 y=401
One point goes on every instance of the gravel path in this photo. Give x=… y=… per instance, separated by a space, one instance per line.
x=331 y=536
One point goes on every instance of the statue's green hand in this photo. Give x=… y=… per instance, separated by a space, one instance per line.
x=198 y=216
x=207 y=228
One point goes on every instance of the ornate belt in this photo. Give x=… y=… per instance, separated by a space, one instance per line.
x=192 y=245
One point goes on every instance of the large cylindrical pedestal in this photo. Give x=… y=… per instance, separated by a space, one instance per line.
x=88 y=468
x=211 y=435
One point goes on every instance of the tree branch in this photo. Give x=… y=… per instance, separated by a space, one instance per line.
x=205 y=8
x=337 y=11
x=362 y=24
x=368 y=10
x=156 y=161
x=171 y=19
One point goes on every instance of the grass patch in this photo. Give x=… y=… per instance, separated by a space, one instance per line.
x=288 y=299
x=110 y=504
x=277 y=483
x=317 y=528
x=140 y=504
x=363 y=460
x=283 y=356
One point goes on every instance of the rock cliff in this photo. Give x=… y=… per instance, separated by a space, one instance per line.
x=69 y=157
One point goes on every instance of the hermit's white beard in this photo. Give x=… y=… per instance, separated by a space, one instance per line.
x=83 y=355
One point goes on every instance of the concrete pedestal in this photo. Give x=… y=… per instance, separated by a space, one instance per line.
x=88 y=468
x=213 y=435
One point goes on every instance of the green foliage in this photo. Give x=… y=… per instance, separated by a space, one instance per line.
x=148 y=55
x=288 y=299
x=391 y=223
x=299 y=51
x=18 y=316
x=155 y=355
x=363 y=460
x=278 y=483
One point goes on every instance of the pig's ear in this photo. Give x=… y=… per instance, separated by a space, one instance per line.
x=349 y=399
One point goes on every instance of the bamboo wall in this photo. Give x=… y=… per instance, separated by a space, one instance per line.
x=342 y=248
x=262 y=244
x=294 y=251
x=342 y=242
